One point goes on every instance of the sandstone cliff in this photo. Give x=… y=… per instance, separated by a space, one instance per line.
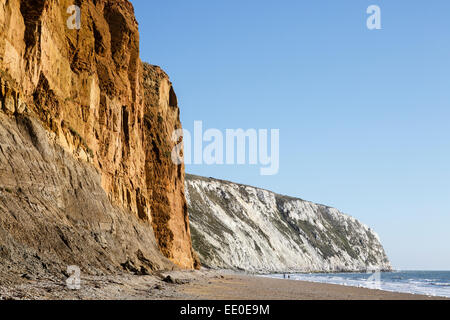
x=246 y=228
x=84 y=94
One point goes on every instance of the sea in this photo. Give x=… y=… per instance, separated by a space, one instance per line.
x=430 y=283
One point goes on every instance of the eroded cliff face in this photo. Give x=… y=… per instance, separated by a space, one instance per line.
x=55 y=213
x=246 y=228
x=94 y=97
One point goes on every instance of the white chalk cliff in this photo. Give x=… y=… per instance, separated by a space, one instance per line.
x=241 y=227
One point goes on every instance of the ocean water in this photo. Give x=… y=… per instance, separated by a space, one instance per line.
x=431 y=283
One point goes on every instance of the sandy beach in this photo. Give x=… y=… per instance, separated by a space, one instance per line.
x=239 y=287
x=192 y=285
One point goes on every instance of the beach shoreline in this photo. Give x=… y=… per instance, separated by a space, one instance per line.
x=250 y=287
x=194 y=285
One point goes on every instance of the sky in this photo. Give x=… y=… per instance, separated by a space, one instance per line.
x=363 y=114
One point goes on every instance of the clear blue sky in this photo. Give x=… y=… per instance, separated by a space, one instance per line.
x=363 y=115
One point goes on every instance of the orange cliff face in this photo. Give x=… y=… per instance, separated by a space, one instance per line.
x=89 y=88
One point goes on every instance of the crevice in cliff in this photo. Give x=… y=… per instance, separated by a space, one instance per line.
x=173 y=101
x=31 y=12
x=99 y=45
x=46 y=103
x=117 y=26
x=141 y=205
x=125 y=126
